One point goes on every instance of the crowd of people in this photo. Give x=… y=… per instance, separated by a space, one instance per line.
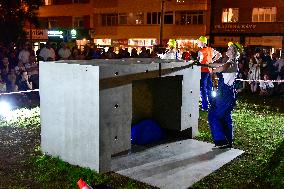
x=19 y=68
x=260 y=72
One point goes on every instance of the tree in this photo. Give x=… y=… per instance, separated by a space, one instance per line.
x=13 y=14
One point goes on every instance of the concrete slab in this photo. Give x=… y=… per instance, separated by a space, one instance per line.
x=174 y=165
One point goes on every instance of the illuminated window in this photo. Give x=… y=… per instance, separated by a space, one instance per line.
x=230 y=15
x=48 y=2
x=180 y=1
x=139 y=18
x=264 y=14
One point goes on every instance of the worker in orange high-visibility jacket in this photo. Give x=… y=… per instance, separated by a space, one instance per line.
x=206 y=55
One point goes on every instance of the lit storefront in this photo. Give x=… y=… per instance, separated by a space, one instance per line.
x=187 y=45
x=36 y=36
x=254 y=25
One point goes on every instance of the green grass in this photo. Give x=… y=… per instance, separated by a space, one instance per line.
x=258 y=130
x=23 y=117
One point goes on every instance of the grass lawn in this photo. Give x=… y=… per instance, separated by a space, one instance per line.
x=259 y=131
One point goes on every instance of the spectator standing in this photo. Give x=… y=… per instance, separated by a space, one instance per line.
x=143 y=53
x=254 y=71
x=24 y=55
x=2 y=85
x=134 y=53
x=47 y=53
x=64 y=53
x=110 y=54
x=279 y=64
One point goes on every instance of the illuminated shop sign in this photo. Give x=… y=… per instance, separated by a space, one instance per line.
x=73 y=34
x=66 y=34
x=36 y=34
x=235 y=27
x=56 y=33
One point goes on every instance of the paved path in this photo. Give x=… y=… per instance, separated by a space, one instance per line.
x=174 y=165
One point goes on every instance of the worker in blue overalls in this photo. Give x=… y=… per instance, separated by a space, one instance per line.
x=206 y=55
x=220 y=112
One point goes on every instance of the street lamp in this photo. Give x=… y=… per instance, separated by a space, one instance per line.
x=162 y=20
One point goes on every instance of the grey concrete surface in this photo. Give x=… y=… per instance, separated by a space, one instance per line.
x=69 y=113
x=84 y=124
x=174 y=165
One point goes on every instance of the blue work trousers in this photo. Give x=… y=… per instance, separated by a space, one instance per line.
x=206 y=89
x=220 y=114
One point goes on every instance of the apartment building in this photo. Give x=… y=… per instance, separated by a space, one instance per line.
x=258 y=23
x=128 y=22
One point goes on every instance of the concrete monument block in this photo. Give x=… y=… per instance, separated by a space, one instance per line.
x=87 y=106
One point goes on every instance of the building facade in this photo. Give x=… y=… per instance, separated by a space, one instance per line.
x=129 y=22
x=257 y=23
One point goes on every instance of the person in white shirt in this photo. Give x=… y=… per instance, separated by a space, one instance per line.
x=64 y=52
x=47 y=53
x=24 y=55
x=279 y=64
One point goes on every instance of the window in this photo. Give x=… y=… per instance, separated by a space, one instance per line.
x=169 y=18
x=52 y=23
x=230 y=15
x=122 y=18
x=78 y=22
x=63 y=2
x=48 y=2
x=152 y=18
x=264 y=14
x=139 y=18
x=81 y=1
x=190 y=17
x=180 y=1
x=109 y=19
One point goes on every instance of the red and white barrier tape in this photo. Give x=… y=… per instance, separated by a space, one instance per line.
x=19 y=92
x=251 y=80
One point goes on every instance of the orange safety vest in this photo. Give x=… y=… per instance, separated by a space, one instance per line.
x=207 y=53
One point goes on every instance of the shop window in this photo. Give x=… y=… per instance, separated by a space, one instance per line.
x=190 y=17
x=122 y=18
x=169 y=18
x=264 y=14
x=109 y=19
x=230 y=15
x=78 y=22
